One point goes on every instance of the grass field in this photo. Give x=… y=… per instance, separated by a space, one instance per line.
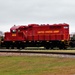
x=36 y=65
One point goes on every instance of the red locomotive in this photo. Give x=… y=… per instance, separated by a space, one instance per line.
x=35 y=35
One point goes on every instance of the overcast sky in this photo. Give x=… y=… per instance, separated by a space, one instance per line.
x=36 y=11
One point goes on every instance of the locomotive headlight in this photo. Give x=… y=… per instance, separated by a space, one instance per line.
x=14 y=31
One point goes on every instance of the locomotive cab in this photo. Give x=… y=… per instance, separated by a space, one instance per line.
x=18 y=33
x=15 y=37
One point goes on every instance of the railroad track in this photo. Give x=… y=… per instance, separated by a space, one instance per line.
x=36 y=53
x=40 y=48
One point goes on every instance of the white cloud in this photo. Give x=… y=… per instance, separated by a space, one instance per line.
x=36 y=11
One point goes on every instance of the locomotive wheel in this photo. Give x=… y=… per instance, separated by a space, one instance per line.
x=51 y=47
x=18 y=47
x=7 y=47
x=65 y=47
x=12 y=47
x=47 y=47
x=60 y=48
x=22 y=47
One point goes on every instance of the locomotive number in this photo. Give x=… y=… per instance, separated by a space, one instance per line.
x=13 y=34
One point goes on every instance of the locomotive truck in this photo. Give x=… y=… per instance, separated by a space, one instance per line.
x=35 y=35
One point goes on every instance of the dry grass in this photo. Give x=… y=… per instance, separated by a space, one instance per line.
x=36 y=65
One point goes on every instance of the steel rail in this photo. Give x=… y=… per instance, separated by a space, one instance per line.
x=38 y=52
